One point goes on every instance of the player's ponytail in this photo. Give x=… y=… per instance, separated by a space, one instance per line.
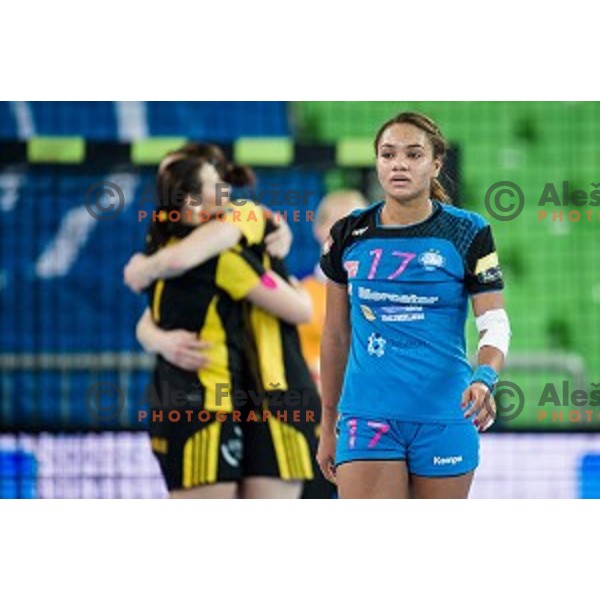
x=436 y=137
x=438 y=192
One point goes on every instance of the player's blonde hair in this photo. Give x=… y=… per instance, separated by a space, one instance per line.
x=350 y=199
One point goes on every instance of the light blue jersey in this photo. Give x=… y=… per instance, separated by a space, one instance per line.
x=408 y=290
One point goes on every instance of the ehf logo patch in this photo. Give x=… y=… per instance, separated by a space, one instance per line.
x=432 y=260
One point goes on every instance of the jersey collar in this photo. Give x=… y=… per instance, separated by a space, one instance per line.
x=436 y=208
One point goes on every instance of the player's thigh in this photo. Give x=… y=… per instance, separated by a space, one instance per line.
x=225 y=491
x=373 y=479
x=451 y=488
x=253 y=488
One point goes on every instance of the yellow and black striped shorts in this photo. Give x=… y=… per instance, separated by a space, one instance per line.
x=197 y=447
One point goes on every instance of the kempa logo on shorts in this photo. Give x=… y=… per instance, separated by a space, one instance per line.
x=447 y=460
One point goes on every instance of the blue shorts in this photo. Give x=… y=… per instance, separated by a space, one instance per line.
x=429 y=449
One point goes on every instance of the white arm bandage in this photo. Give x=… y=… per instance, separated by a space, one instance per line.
x=497 y=330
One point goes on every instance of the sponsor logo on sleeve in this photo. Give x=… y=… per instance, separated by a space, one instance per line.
x=487 y=269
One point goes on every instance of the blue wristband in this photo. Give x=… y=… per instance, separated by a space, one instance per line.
x=485 y=374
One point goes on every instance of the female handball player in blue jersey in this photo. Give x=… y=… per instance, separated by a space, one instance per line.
x=400 y=275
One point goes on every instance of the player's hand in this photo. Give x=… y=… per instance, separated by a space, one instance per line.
x=183 y=349
x=326 y=455
x=478 y=401
x=134 y=274
x=279 y=241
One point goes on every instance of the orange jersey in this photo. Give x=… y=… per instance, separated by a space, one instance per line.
x=310 y=333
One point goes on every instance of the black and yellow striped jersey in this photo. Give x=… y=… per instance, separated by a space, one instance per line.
x=271 y=347
x=206 y=300
x=275 y=350
x=275 y=353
